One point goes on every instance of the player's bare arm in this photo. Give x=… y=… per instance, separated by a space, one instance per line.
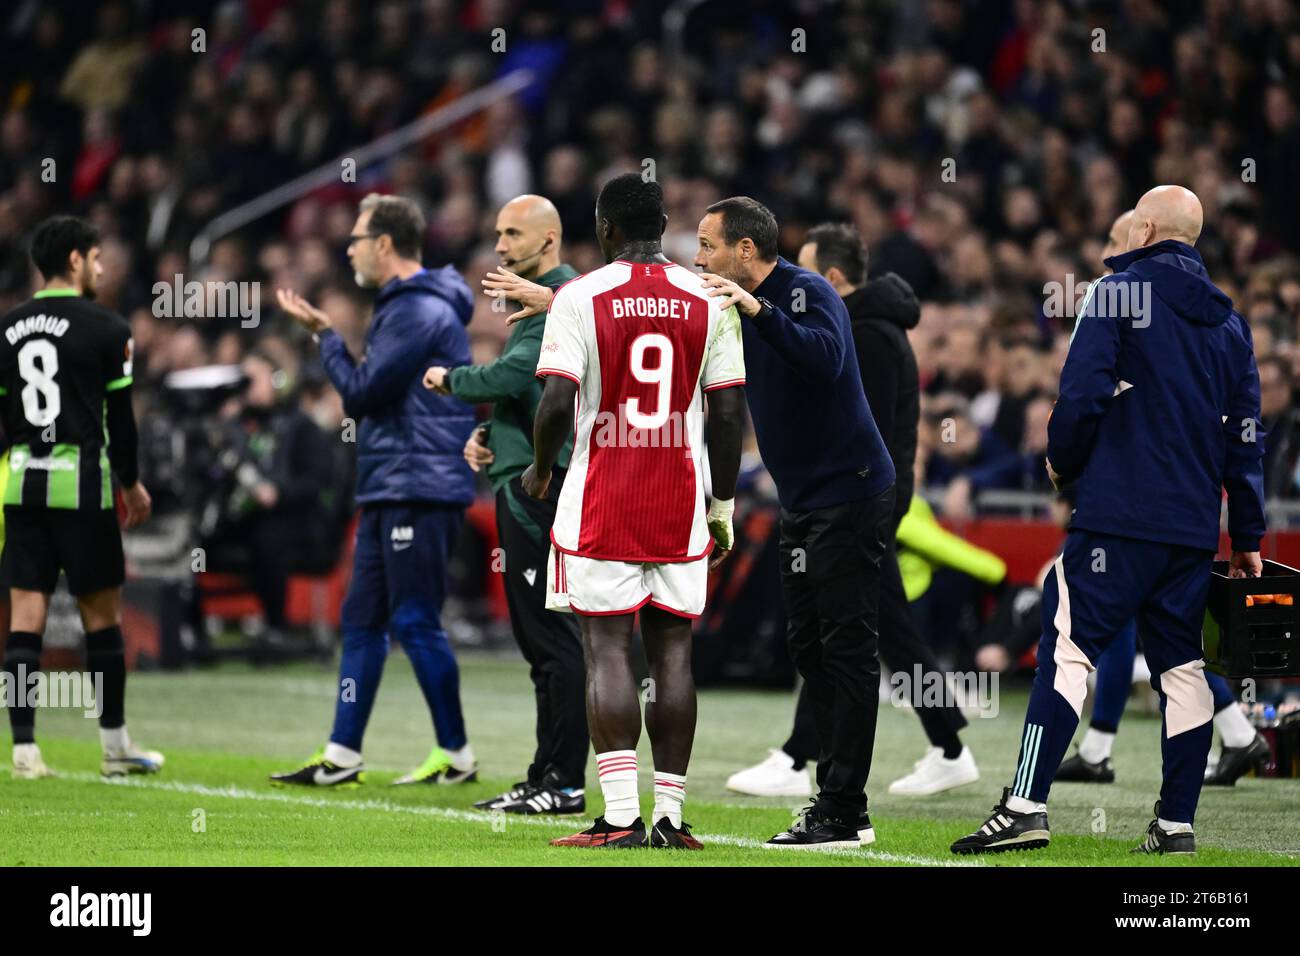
x=726 y=426
x=551 y=426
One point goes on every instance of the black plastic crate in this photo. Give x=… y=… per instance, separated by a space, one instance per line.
x=1257 y=639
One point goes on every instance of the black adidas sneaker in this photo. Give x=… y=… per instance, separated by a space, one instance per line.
x=1077 y=770
x=1007 y=830
x=518 y=792
x=1163 y=843
x=665 y=836
x=547 y=799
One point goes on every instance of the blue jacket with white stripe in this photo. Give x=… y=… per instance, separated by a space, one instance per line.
x=1159 y=406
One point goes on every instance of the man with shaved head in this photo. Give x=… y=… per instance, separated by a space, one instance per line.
x=1158 y=414
x=1243 y=746
x=528 y=243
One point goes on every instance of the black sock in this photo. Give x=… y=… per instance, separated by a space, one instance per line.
x=106 y=658
x=22 y=660
x=951 y=745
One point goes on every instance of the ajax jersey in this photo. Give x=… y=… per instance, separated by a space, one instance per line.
x=643 y=341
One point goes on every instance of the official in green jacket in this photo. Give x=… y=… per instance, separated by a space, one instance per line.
x=528 y=242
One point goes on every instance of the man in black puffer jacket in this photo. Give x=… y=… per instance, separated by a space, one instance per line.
x=880 y=311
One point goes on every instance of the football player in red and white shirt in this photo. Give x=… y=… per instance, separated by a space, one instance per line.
x=631 y=350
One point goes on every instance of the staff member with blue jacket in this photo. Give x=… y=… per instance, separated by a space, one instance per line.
x=1158 y=413
x=412 y=485
x=835 y=481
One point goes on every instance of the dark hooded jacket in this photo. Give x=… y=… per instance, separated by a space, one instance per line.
x=880 y=314
x=1159 y=406
x=410 y=440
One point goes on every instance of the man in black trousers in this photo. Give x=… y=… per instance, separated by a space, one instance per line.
x=836 y=485
x=529 y=244
x=881 y=311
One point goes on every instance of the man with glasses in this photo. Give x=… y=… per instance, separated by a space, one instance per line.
x=412 y=486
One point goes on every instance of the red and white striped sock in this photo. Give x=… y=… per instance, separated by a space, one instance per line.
x=670 y=794
x=617 y=772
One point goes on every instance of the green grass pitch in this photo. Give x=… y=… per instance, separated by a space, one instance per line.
x=224 y=730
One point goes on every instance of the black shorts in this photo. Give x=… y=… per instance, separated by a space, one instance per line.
x=85 y=545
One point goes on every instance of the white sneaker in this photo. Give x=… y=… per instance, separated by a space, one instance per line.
x=934 y=774
x=774 y=777
x=130 y=760
x=28 y=764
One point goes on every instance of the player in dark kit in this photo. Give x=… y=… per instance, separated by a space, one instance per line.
x=65 y=399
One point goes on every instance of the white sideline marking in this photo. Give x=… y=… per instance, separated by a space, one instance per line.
x=233 y=792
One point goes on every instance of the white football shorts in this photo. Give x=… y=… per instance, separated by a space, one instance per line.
x=592 y=586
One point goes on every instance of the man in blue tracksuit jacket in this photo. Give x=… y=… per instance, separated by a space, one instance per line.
x=1158 y=413
x=1243 y=745
x=835 y=480
x=412 y=485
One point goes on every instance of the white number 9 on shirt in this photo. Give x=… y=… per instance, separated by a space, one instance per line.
x=661 y=377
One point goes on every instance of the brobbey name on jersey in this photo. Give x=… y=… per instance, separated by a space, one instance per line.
x=647 y=307
x=46 y=324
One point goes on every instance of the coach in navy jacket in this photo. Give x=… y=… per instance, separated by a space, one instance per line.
x=1158 y=413
x=412 y=485
x=410 y=438
x=810 y=412
x=836 y=484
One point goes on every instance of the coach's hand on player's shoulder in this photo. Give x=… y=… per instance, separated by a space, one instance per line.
x=731 y=294
x=435 y=379
x=532 y=298
x=535 y=484
x=138 y=505
x=1245 y=564
x=477 y=453
x=306 y=314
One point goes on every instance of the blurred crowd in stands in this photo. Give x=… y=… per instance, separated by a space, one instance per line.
x=982 y=149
